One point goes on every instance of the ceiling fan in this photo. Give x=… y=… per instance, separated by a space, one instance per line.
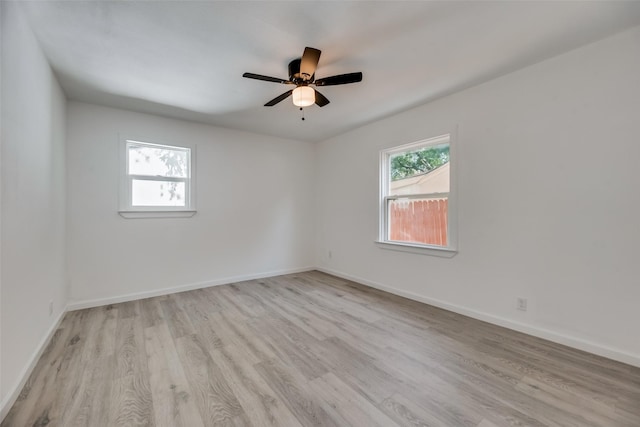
x=302 y=75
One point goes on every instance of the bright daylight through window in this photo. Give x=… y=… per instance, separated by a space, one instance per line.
x=416 y=185
x=156 y=178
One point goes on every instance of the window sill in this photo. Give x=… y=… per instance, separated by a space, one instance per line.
x=156 y=214
x=417 y=249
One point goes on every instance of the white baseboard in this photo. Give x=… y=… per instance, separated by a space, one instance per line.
x=78 y=305
x=14 y=392
x=575 y=342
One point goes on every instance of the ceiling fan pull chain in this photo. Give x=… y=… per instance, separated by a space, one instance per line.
x=302 y=109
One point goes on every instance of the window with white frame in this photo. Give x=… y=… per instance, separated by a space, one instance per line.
x=156 y=178
x=416 y=192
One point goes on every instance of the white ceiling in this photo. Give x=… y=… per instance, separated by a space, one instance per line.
x=186 y=59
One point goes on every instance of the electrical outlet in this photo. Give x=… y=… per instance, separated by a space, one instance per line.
x=521 y=304
x=50 y=307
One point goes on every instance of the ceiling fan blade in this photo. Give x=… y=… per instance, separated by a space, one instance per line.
x=309 y=62
x=266 y=78
x=341 y=79
x=277 y=99
x=321 y=100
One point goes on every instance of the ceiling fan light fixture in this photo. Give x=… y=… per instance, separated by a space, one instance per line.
x=304 y=96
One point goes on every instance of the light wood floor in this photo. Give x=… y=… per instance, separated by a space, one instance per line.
x=312 y=350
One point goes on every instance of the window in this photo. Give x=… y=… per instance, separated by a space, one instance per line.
x=156 y=178
x=416 y=190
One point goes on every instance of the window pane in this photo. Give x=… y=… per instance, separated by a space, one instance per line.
x=422 y=221
x=421 y=171
x=157 y=193
x=158 y=161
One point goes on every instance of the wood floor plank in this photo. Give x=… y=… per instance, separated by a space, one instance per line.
x=233 y=331
x=213 y=396
x=585 y=411
x=292 y=345
x=173 y=401
x=129 y=353
x=442 y=393
x=177 y=320
x=298 y=318
x=70 y=397
x=359 y=370
x=294 y=391
x=90 y=398
x=35 y=404
x=310 y=349
x=127 y=309
x=150 y=312
x=243 y=305
x=131 y=402
x=583 y=382
x=262 y=407
x=195 y=305
x=406 y=413
x=350 y=406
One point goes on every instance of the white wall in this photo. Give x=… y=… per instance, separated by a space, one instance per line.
x=33 y=202
x=254 y=200
x=549 y=200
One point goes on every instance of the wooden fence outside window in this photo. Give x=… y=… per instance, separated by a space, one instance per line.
x=421 y=221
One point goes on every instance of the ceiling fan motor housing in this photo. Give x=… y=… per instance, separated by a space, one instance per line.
x=294 y=72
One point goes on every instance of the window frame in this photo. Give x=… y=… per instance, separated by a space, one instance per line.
x=383 y=240
x=126 y=208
